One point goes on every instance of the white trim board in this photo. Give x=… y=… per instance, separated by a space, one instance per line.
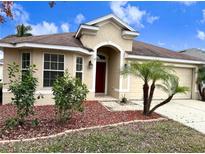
x=45 y=46
x=164 y=59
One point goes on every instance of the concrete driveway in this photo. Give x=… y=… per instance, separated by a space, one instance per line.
x=188 y=112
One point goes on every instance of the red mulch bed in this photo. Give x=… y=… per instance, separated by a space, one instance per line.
x=94 y=114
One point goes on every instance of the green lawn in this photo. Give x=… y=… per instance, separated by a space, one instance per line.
x=164 y=136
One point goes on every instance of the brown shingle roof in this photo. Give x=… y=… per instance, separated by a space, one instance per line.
x=63 y=39
x=145 y=49
x=68 y=39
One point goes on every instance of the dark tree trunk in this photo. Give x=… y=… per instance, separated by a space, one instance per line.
x=160 y=104
x=152 y=88
x=145 y=95
x=199 y=88
x=201 y=92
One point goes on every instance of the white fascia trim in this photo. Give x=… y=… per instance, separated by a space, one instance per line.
x=35 y=45
x=129 y=33
x=86 y=27
x=109 y=17
x=164 y=59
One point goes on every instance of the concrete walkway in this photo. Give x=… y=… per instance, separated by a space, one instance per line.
x=188 y=112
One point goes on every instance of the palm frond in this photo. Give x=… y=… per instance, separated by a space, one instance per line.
x=171 y=86
x=163 y=87
x=182 y=89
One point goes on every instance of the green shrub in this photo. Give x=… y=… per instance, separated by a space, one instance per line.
x=35 y=122
x=12 y=123
x=23 y=87
x=124 y=100
x=69 y=94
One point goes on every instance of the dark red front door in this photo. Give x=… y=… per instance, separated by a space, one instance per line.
x=100 y=77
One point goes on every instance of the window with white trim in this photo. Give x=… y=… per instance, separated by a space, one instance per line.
x=79 y=68
x=25 y=62
x=53 y=67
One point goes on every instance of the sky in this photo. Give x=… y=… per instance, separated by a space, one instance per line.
x=172 y=25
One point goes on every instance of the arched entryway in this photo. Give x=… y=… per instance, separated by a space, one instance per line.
x=107 y=77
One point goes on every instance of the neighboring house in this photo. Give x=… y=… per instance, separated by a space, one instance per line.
x=198 y=53
x=1 y=70
x=95 y=54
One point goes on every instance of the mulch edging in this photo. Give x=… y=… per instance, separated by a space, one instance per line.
x=80 y=129
x=94 y=116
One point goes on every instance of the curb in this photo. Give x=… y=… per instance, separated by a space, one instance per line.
x=81 y=129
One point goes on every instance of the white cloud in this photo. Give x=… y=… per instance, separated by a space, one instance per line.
x=203 y=16
x=20 y=15
x=128 y=13
x=152 y=19
x=188 y=3
x=44 y=28
x=65 y=27
x=200 y=35
x=79 y=18
x=131 y=14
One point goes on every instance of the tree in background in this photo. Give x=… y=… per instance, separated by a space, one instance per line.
x=6 y=10
x=201 y=82
x=22 y=30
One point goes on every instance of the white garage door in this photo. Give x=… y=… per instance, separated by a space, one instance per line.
x=185 y=79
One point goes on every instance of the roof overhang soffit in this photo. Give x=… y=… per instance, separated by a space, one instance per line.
x=86 y=29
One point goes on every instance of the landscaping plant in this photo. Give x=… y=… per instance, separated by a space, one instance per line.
x=123 y=100
x=23 y=86
x=69 y=94
x=152 y=72
x=171 y=87
x=201 y=82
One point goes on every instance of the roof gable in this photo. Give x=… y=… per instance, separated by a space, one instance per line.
x=114 y=18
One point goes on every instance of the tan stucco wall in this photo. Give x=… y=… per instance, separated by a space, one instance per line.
x=14 y=55
x=108 y=33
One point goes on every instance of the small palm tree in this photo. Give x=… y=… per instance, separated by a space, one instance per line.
x=171 y=87
x=200 y=82
x=23 y=30
x=151 y=72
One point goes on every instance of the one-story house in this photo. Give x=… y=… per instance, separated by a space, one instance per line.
x=95 y=54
